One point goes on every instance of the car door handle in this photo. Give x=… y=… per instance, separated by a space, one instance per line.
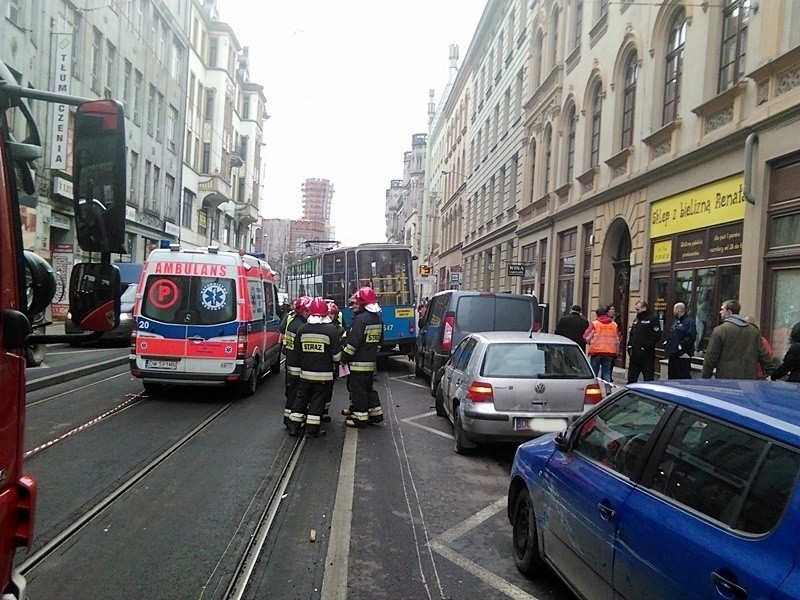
x=728 y=586
x=606 y=512
x=195 y=338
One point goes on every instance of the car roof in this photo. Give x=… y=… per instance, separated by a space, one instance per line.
x=770 y=407
x=462 y=293
x=494 y=337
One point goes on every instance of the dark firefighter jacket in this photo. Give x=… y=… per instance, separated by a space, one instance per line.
x=363 y=341
x=290 y=347
x=320 y=347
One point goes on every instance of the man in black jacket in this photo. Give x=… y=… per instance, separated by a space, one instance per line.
x=573 y=326
x=642 y=340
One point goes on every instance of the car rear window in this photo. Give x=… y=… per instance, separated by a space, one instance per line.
x=535 y=360
x=494 y=313
x=189 y=300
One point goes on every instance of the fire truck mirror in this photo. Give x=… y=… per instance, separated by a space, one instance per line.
x=94 y=291
x=40 y=284
x=100 y=176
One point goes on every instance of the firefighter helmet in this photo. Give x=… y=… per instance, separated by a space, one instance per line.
x=318 y=308
x=302 y=303
x=364 y=296
x=333 y=310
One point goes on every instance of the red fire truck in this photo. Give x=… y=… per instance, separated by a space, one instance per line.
x=27 y=282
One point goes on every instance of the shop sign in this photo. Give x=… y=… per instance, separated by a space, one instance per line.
x=691 y=246
x=171 y=229
x=712 y=204
x=725 y=241
x=130 y=213
x=62 y=187
x=515 y=270
x=60 y=221
x=662 y=252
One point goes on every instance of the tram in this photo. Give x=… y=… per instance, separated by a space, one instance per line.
x=338 y=272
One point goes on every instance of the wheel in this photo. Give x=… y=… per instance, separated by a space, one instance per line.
x=526 y=545
x=152 y=389
x=34 y=355
x=440 y=403
x=418 y=372
x=461 y=444
x=249 y=385
x=276 y=366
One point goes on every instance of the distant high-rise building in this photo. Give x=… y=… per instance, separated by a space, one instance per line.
x=317 y=199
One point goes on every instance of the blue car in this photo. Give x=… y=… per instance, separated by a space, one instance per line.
x=666 y=490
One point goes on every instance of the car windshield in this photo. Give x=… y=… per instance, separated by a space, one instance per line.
x=535 y=360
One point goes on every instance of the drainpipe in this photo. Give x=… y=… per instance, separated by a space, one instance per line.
x=752 y=139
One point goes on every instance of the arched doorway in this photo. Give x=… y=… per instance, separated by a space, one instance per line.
x=617 y=260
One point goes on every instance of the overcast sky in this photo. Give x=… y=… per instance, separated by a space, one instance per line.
x=346 y=85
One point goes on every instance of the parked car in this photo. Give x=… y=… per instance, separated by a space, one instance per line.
x=681 y=489
x=510 y=386
x=453 y=314
x=122 y=332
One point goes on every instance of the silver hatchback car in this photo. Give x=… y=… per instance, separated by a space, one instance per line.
x=509 y=386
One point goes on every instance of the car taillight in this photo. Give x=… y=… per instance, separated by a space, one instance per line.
x=480 y=392
x=133 y=342
x=592 y=394
x=447 y=333
x=241 y=342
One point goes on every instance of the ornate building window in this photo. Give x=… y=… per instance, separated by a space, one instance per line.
x=674 y=67
x=631 y=72
x=735 y=18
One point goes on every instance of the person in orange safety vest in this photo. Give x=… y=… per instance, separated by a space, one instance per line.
x=602 y=339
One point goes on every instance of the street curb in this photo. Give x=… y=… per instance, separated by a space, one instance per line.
x=43 y=382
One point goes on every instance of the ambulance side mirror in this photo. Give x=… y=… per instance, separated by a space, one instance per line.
x=94 y=292
x=99 y=168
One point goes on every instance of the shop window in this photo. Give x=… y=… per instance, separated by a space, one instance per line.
x=566 y=270
x=702 y=290
x=785 y=231
x=785 y=308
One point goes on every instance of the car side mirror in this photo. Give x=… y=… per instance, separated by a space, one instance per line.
x=94 y=296
x=561 y=441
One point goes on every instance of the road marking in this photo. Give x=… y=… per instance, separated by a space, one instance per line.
x=410 y=421
x=439 y=545
x=334 y=579
x=404 y=379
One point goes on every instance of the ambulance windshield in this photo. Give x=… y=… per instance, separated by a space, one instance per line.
x=189 y=300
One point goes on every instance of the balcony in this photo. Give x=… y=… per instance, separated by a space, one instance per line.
x=214 y=191
x=246 y=214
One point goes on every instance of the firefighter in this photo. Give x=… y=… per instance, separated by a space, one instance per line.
x=320 y=350
x=360 y=354
x=335 y=317
x=288 y=327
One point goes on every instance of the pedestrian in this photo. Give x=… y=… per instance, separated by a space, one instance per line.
x=791 y=361
x=290 y=324
x=320 y=351
x=735 y=348
x=573 y=325
x=360 y=354
x=643 y=338
x=423 y=310
x=767 y=346
x=679 y=345
x=602 y=337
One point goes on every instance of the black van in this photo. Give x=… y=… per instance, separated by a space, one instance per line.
x=452 y=314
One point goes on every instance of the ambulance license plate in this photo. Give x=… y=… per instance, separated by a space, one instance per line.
x=169 y=365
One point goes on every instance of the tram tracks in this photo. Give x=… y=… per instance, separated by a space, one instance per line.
x=63 y=538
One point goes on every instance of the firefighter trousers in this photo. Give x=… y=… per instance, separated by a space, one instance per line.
x=309 y=405
x=364 y=399
x=292 y=383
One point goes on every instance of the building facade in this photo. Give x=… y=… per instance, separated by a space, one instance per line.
x=222 y=164
x=626 y=169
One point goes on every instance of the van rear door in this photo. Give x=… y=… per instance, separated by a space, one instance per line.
x=161 y=328
x=492 y=312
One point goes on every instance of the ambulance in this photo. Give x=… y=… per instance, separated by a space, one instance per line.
x=205 y=317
